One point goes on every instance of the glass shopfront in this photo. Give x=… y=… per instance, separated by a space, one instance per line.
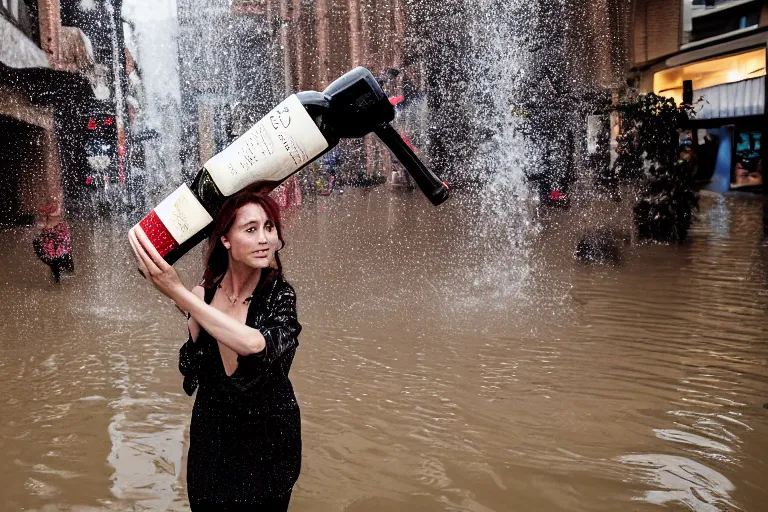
x=726 y=134
x=747 y=159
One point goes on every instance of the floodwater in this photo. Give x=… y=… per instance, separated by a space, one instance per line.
x=440 y=367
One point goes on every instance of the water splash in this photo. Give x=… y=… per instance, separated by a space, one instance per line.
x=154 y=45
x=501 y=59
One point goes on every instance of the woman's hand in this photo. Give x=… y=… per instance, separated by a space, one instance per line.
x=162 y=275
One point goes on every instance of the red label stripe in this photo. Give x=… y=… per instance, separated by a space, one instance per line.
x=158 y=234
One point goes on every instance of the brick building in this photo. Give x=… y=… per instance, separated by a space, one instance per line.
x=37 y=60
x=66 y=100
x=40 y=75
x=715 y=50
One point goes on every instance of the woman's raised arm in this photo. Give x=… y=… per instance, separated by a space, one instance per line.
x=239 y=337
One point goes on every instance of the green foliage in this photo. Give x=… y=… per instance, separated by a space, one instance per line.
x=649 y=135
x=649 y=158
x=665 y=204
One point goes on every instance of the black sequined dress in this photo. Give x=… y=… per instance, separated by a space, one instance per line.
x=245 y=434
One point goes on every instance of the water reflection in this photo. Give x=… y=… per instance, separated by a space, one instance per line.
x=146 y=429
x=431 y=376
x=684 y=480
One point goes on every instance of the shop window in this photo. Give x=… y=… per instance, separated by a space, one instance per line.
x=709 y=73
x=747 y=159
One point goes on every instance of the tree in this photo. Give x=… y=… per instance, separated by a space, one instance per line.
x=649 y=157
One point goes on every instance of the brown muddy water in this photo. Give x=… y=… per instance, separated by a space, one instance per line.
x=446 y=363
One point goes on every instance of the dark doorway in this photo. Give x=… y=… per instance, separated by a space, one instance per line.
x=20 y=168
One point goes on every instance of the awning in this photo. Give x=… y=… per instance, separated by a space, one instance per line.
x=739 y=99
x=25 y=67
x=46 y=86
x=17 y=50
x=710 y=73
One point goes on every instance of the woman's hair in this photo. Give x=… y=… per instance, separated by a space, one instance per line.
x=216 y=255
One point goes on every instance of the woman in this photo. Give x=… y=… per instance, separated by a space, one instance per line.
x=53 y=245
x=245 y=435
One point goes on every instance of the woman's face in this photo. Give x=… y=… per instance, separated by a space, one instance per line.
x=252 y=240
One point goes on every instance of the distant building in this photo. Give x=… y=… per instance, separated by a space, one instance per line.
x=226 y=73
x=104 y=137
x=239 y=58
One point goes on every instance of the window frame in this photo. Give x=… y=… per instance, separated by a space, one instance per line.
x=688 y=15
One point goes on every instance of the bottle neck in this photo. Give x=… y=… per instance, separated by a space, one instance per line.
x=359 y=102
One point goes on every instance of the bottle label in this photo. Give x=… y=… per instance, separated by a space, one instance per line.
x=179 y=217
x=271 y=150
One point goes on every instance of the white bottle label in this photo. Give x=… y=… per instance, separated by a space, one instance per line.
x=271 y=150
x=182 y=214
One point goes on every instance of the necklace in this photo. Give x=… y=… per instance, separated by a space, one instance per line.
x=233 y=298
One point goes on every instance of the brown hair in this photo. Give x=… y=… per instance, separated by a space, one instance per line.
x=216 y=255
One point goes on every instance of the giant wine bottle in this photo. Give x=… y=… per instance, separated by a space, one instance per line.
x=289 y=137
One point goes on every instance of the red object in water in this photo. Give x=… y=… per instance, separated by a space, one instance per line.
x=91 y=124
x=88 y=180
x=108 y=121
x=556 y=195
x=394 y=100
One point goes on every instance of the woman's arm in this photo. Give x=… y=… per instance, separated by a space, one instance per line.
x=280 y=329
x=239 y=337
x=194 y=327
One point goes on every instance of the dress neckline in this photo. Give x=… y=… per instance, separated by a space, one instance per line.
x=210 y=293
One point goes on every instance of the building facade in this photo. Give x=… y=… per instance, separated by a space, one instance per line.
x=41 y=65
x=65 y=120
x=711 y=53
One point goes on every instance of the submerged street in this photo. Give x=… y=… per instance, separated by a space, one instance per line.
x=439 y=367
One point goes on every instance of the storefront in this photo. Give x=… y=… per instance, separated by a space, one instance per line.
x=729 y=98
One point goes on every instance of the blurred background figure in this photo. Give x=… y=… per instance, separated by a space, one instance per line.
x=53 y=244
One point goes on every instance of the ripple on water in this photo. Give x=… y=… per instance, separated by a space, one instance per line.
x=683 y=480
